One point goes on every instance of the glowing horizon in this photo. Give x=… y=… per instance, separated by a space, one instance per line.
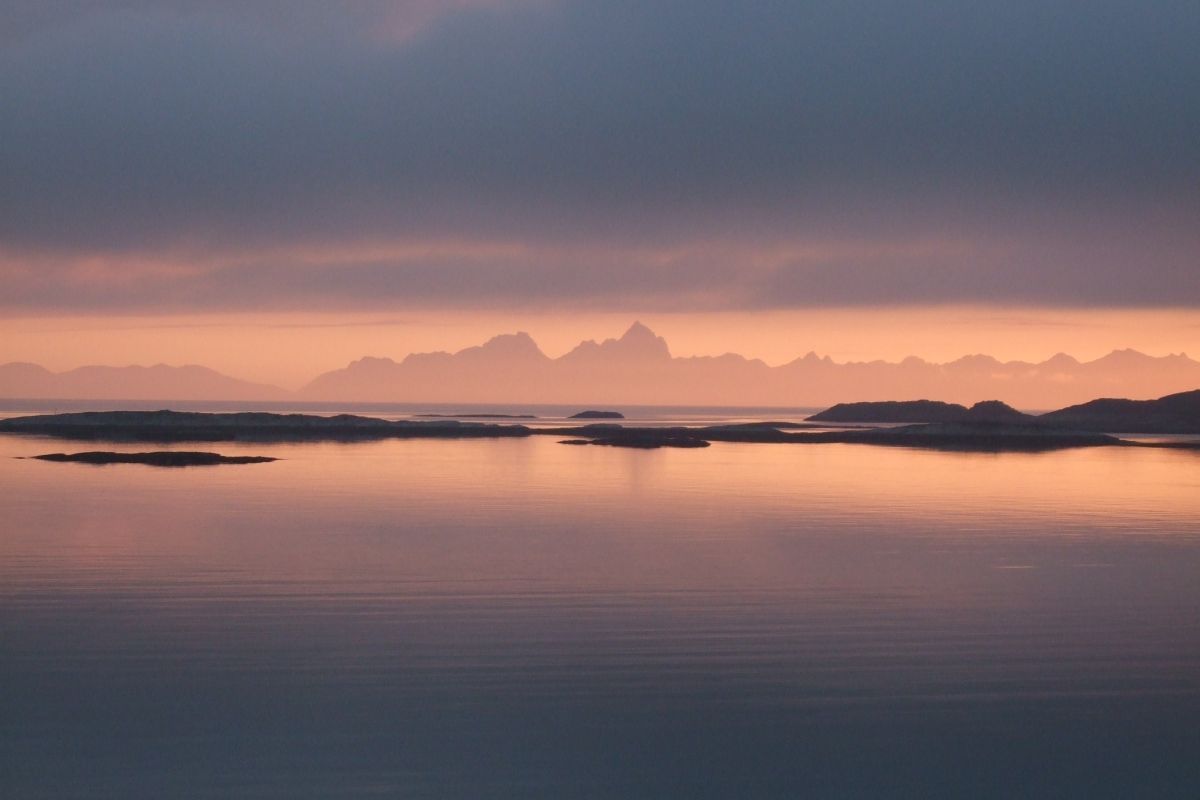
x=288 y=350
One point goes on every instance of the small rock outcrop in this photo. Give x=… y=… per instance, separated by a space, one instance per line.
x=159 y=458
x=893 y=411
x=914 y=411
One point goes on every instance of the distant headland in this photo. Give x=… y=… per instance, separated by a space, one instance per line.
x=1176 y=413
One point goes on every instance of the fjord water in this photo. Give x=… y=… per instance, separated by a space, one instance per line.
x=516 y=618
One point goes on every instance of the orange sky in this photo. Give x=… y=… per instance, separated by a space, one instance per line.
x=290 y=349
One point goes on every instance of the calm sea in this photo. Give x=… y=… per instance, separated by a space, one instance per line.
x=517 y=618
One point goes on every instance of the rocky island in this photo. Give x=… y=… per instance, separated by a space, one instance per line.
x=989 y=427
x=1174 y=413
x=640 y=438
x=159 y=458
x=909 y=411
x=190 y=426
x=477 y=416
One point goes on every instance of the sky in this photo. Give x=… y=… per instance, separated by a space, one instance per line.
x=276 y=188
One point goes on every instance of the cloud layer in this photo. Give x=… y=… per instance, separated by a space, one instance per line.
x=188 y=155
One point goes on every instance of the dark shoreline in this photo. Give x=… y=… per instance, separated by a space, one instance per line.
x=172 y=426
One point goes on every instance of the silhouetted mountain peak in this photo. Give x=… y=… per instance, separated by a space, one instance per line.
x=25 y=367
x=1124 y=358
x=519 y=345
x=370 y=362
x=512 y=341
x=811 y=357
x=638 y=331
x=644 y=341
x=1060 y=361
x=975 y=361
x=639 y=343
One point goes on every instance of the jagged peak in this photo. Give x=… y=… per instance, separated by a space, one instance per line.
x=141 y=368
x=1126 y=354
x=506 y=346
x=639 y=341
x=372 y=361
x=810 y=359
x=975 y=359
x=638 y=331
x=646 y=341
x=519 y=336
x=519 y=339
x=1127 y=358
x=1061 y=359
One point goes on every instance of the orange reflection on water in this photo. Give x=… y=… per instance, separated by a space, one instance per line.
x=532 y=510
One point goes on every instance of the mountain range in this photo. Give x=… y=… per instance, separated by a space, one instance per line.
x=638 y=368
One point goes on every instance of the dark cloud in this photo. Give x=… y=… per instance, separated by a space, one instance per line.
x=1105 y=271
x=1057 y=139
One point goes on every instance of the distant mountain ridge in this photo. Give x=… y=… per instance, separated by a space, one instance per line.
x=638 y=368
x=158 y=382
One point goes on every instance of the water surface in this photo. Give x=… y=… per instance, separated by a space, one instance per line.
x=516 y=618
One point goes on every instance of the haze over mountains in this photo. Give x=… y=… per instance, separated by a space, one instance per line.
x=638 y=368
x=159 y=382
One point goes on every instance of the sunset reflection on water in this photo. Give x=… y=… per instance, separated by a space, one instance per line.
x=491 y=617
